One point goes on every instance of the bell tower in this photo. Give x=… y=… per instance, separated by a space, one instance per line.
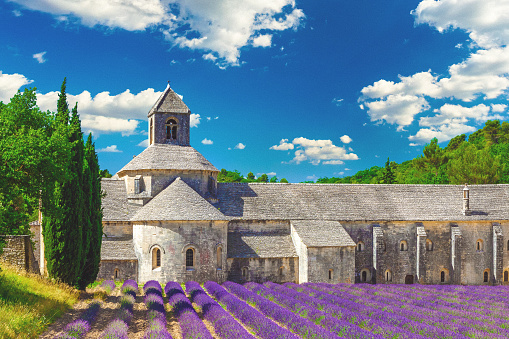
x=169 y=120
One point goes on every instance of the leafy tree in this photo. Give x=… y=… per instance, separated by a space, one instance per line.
x=456 y=142
x=273 y=179
x=474 y=166
x=263 y=178
x=284 y=181
x=229 y=176
x=104 y=173
x=30 y=160
x=250 y=176
x=491 y=131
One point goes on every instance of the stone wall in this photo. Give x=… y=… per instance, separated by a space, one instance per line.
x=118 y=270
x=18 y=252
x=339 y=260
x=118 y=229
x=278 y=270
x=173 y=239
x=159 y=128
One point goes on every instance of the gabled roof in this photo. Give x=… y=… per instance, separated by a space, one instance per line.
x=117 y=250
x=114 y=203
x=349 y=202
x=260 y=245
x=178 y=201
x=171 y=157
x=322 y=233
x=169 y=102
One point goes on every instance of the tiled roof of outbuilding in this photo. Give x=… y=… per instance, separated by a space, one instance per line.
x=169 y=102
x=260 y=245
x=172 y=157
x=117 y=250
x=322 y=233
x=178 y=201
x=361 y=202
x=114 y=203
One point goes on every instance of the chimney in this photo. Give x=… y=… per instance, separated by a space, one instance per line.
x=466 y=200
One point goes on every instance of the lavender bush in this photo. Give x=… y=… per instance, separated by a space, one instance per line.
x=224 y=324
x=189 y=321
x=79 y=327
x=250 y=317
x=117 y=329
x=156 y=314
x=108 y=285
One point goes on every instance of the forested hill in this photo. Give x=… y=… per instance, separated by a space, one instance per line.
x=483 y=158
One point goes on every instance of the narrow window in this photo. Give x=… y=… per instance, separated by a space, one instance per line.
x=331 y=272
x=506 y=276
x=429 y=245
x=360 y=246
x=281 y=271
x=219 y=257
x=151 y=137
x=364 y=276
x=156 y=258
x=479 y=245
x=486 y=276
x=508 y=245
x=442 y=276
x=403 y=246
x=190 y=258
x=388 y=276
x=117 y=273
x=171 y=129
x=244 y=272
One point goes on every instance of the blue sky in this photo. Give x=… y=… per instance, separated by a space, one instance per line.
x=290 y=88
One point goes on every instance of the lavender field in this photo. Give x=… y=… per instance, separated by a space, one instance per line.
x=310 y=310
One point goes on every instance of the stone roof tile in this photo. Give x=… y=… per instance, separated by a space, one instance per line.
x=170 y=157
x=169 y=102
x=350 y=202
x=114 y=203
x=178 y=201
x=322 y=233
x=117 y=250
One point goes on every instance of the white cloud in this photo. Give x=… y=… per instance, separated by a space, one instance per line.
x=240 y=146
x=17 y=13
x=131 y=15
x=284 y=145
x=483 y=75
x=271 y=174
x=195 y=120
x=263 y=40
x=10 y=83
x=218 y=28
x=345 y=139
x=207 y=141
x=143 y=143
x=312 y=177
x=40 y=57
x=337 y=101
x=484 y=20
x=109 y=149
x=315 y=151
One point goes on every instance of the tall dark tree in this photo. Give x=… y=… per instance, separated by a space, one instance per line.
x=62 y=229
x=388 y=176
x=92 y=193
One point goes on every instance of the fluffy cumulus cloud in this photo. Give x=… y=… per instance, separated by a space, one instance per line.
x=217 y=28
x=315 y=151
x=207 y=141
x=483 y=75
x=240 y=146
x=345 y=139
x=10 y=83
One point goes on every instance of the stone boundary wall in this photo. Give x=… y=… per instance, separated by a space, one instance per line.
x=19 y=253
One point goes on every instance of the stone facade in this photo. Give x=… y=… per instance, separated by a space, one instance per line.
x=166 y=218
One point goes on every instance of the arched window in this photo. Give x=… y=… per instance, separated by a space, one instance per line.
x=403 y=246
x=388 y=275
x=360 y=246
x=331 y=274
x=506 y=276
x=444 y=276
x=156 y=258
x=171 y=129
x=244 y=272
x=190 y=258
x=429 y=245
x=479 y=245
x=219 y=257
x=486 y=276
x=117 y=274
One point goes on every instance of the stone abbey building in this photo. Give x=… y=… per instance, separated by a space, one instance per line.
x=167 y=218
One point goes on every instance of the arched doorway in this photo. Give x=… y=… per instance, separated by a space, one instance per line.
x=409 y=279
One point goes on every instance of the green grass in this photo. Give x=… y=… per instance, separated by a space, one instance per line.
x=29 y=303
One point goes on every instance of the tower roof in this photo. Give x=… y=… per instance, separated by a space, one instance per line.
x=169 y=102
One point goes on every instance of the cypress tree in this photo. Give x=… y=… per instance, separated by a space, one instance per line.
x=92 y=192
x=62 y=229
